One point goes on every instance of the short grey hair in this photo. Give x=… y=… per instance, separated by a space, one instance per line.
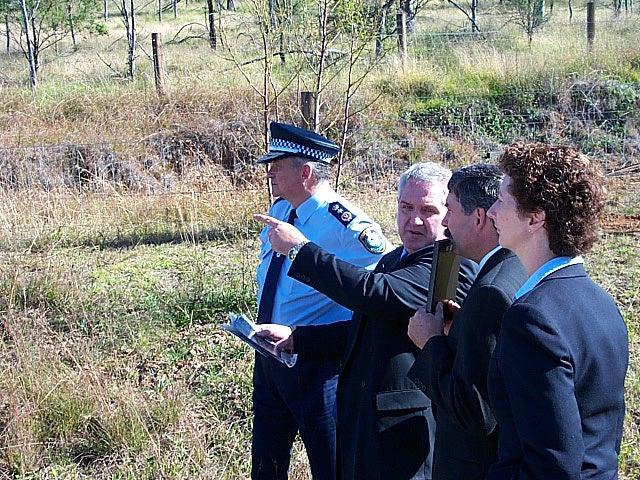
x=427 y=172
x=321 y=170
x=476 y=186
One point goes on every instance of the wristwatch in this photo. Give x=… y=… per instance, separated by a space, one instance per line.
x=295 y=249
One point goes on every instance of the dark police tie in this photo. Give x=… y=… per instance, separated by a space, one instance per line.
x=265 y=309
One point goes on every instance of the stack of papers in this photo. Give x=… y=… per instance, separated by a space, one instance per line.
x=245 y=330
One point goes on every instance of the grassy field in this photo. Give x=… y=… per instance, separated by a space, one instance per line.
x=125 y=230
x=114 y=363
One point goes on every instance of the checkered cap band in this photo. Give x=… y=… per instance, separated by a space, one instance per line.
x=288 y=146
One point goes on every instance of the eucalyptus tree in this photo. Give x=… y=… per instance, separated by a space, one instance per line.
x=127 y=9
x=529 y=15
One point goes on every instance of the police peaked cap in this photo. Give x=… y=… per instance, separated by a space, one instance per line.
x=288 y=141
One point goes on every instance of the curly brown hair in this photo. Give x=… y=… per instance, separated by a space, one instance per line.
x=563 y=183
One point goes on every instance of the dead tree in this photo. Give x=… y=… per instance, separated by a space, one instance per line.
x=128 y=12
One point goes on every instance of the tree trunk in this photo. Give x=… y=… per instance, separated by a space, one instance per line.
x=160 y=10
x=130 y=23
x=34 y=41
x=409 y=8
x=213 y=42
x=6 y=30
x=231 y=5
x=283 y=59
x=54 y=27
x=72 y=29
x=33 y=75
x=382 y=30
x=273 y=19
x=324 y=39
x=570 y=11
x=105 y=10
x=401 y=28
x=474 y=16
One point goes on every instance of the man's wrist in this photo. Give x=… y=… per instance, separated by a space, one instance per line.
x=293 y=251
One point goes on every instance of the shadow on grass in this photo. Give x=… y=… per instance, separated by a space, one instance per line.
x=163 y=237
x=118 y=240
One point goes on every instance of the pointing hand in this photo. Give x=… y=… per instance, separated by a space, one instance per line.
x=282 y=235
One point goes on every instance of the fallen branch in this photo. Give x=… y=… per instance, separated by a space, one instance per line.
x=191 y=36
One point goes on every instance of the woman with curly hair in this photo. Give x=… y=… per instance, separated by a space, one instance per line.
x=556 y=381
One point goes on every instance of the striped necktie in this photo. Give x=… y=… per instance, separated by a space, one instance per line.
x=265 y=308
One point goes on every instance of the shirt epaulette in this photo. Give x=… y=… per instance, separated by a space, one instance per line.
x=341 y=213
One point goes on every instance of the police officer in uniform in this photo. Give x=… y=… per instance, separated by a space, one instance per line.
x=302 y=398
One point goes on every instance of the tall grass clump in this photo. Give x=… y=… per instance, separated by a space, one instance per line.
x=62 y=408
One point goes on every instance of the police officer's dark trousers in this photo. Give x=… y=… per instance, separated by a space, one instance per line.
x=287 y=401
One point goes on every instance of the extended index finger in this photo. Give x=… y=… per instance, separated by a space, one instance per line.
x=266 y=219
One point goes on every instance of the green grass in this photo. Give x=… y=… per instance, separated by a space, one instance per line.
x=616 y=266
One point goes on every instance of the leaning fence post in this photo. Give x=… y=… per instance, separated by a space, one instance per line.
x=308 y=109
x=158 y=71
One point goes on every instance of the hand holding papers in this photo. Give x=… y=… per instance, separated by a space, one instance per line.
x=443 y=281
x=436 y=318
x=247 y=331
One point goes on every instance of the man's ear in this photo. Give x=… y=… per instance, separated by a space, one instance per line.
x=536 y=220
x=307 y=171
x=480 y=217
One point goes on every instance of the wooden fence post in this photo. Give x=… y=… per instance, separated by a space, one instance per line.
x=156 y=45
x=591 y=24
x=401 y=21
x=308 y=109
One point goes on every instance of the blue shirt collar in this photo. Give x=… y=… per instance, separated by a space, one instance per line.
x=313 y=203
x=486 y=258
x=545 y=270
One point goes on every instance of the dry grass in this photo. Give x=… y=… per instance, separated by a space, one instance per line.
x=125 y=230
x=114 y=365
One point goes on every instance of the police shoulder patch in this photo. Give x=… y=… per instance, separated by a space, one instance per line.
x=341 y=212
x=372 y=240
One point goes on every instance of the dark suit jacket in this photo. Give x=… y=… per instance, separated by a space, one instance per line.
x=385 y=425
x=556 y=383
x=452 y=371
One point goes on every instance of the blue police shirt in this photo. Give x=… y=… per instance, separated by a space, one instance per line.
x=339 y=227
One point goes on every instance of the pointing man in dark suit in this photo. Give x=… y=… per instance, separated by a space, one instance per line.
x=385 y=423
x=452 y=369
